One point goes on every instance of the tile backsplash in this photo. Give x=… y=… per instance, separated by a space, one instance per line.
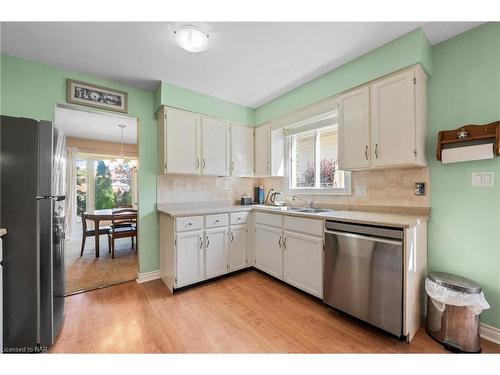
x=384 y=187
x=174 y=188
x=378 y=189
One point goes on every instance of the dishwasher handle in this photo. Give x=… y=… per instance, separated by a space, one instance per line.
x=362 y=237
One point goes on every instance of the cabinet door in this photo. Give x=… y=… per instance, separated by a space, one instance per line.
x=182 y=139
x=242 y=150
x=214 y=147
x=354 y=130
x=189 y=258
x=268 y=252
x=215 y=252
x=238 y=244
x=393 y=120
x=303 y=262
x=263 y=150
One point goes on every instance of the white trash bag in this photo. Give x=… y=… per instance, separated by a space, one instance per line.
x=442 y=296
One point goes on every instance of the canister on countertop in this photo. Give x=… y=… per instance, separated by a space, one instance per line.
x=259 y=194
x=246 y=200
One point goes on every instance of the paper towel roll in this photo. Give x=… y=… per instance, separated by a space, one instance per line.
x=467 y=153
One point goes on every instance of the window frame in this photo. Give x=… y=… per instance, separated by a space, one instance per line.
x=289 y=172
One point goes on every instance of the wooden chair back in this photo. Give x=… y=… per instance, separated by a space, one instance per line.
x=122 y=205
x=123 y=218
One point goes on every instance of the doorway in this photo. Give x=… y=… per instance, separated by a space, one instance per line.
x=101 y=187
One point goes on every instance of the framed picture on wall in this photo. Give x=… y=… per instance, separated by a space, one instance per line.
x=96 y=96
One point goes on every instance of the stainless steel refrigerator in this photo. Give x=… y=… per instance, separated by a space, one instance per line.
x=32 y=166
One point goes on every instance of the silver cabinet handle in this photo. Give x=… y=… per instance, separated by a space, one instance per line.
x=239 y=218
x=197 y=163
x=232 y=236
x=232 y=165
x=267 y=165
x=366 y=152
x=201 y=242
x=279 y=242
x=208 y=242
x=204 y=163
x=216 y=221
x=284 y=243
x=376 y=150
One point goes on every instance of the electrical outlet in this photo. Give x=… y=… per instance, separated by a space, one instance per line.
x=419 y=188
x=483 y=179
x=360 y=191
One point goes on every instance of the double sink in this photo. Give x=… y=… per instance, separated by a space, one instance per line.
x=308 y=210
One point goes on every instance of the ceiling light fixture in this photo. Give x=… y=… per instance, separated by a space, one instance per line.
x=191 y=38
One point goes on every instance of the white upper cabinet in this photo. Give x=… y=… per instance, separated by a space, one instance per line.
x=382 y=124
x=269 y=151
x=181 y=139
x=214 y=147
x=192 y=144
x=242 y=150
x=398 y=119
x=354 y=129
x=263 y=150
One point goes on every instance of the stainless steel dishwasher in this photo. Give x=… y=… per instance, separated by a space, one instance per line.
x=363 y=273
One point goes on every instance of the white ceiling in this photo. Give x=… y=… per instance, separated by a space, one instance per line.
x=96 y=126
x=248 y=63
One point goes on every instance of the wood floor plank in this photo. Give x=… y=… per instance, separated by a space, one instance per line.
x=249 y=312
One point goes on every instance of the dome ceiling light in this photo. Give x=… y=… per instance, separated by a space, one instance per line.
x=191 y=38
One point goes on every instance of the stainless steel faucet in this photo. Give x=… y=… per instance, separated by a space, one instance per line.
x=310 y=204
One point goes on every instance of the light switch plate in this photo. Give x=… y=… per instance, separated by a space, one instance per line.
x=483 y=179
x=360 y=190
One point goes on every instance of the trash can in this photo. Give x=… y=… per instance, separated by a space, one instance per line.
x=454 y=305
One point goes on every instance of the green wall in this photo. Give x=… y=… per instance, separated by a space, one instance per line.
x=179 y=97
x=464 y=230
x=30 y=89
x=410 y=49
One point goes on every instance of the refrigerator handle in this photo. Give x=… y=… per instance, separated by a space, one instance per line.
x=55 y=198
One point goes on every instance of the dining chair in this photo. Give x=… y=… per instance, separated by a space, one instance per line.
x=123 y=225
x=92 y=233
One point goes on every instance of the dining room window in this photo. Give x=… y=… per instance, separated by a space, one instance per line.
x=105 y=182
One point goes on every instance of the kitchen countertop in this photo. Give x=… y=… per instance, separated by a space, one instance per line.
x=362 y=217
x=3 y=231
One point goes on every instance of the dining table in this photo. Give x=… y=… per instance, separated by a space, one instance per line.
x=96 y=216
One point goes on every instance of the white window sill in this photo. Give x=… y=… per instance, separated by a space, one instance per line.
x=346 y=191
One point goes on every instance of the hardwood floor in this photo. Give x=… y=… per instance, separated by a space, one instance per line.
x=246 y=313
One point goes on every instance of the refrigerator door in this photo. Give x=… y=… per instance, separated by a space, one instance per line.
x=19 y=215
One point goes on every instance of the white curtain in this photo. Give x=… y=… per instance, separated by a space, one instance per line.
x=70 y=224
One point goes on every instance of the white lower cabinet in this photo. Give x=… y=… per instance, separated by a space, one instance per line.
x=189 y=258
x=303 y=262
x=238 y=245
x=216 y=259
x=268 y=251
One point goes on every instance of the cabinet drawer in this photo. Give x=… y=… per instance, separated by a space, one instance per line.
x=219 y=220
x=309 y=226
x=188 y=223
x=275 y=220
x=238 y=217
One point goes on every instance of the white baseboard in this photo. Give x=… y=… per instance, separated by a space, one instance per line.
x=148 y=276
x=490 y=333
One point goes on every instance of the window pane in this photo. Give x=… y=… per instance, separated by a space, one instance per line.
x=81 y=187
x=328 y=151
x=304 y=161
x=113 y=183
